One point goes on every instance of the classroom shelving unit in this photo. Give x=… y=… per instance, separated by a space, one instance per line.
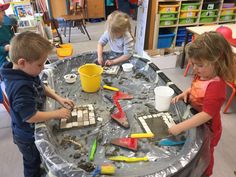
x=168 y=19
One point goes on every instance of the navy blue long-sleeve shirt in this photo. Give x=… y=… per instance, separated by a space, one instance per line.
x=26 y=96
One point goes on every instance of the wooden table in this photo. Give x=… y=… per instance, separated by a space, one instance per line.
x=198 y=30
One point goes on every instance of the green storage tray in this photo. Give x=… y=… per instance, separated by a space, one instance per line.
x=207 y=19
x=209 y=13
x=190 y=6
x=226 y=17
x=168 y=14
x=188 y=20
x=167 y=21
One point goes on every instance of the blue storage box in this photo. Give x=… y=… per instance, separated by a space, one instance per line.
x=182 y=37
x=165 y=40
x=179 y=43
x=181 y=30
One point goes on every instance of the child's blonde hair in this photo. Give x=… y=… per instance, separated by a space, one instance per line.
x=212 y=47
x=30 y=46
x=118 y=22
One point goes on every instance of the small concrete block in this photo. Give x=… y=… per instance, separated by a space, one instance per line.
x=149 y=116
x=63 y=125
x=63 y=120
x=75 y=124
x=74 y=113
x=145 y=117
x=79 y=115
x=90 y=107
x=80 y=123
x=167 y=114
x=100 y=119
x=91 y=114
x=142 y=120
x=146 y=128
x=69 y=125
x=92 y=121
x=86 y=123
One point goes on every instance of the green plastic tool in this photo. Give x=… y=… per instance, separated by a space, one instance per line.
x=93 y=150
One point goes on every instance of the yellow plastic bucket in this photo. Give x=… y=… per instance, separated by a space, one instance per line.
x=90 y=76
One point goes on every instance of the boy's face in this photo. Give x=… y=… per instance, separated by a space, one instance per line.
x=204 y=70
x=34 y=68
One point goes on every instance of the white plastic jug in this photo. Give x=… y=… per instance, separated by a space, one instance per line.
x=163 y=96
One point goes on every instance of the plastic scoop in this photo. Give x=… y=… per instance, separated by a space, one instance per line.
x=169 y=142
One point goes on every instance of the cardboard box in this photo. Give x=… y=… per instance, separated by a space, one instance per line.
x=162 y=58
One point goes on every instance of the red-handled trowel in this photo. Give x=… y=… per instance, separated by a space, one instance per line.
x=120 y=116
x=128 y=143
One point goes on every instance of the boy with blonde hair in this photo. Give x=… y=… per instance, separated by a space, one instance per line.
x=27 y=94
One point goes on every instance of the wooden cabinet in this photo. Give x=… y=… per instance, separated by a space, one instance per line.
x=57 y=8
x=173 y=16
x=96 y=8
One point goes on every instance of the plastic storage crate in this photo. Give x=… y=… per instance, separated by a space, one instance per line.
x=181 y=30
x=228 y=11
x=180 y=43
x=168 y=8
x=168 y=14
x=189 y=6
x=189 y=20
x=210 y=5
x=228 y=5
x=165 y=40
x=192 y=13
x=226 y=17
x=207 y=19
x=209 y=13
x=167 y=21
x=182 y=37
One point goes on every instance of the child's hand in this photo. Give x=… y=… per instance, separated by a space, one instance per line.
x=63 y=113
x=182 y=96
x=100 y=60
x=109 y=63
x=66 y=103
x=175 y=130
x=7 y=47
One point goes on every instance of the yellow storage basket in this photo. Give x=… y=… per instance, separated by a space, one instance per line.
x=168 y=8
x=192 y=13
x=65 y=50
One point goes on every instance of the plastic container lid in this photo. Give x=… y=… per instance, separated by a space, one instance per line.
x=127 y=67
x=70 y=78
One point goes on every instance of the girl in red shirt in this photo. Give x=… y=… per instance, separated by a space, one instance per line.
x=213 y=64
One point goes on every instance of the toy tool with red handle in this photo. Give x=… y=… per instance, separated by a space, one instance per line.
x=120 y=116
x=128 y=143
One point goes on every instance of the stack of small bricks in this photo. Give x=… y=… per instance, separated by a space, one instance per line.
x=111 y=69
x=165 y=116
x=81 y=116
